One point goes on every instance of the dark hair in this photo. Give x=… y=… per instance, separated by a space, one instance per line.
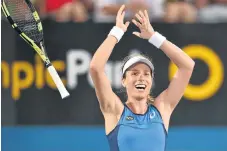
x=150 y=99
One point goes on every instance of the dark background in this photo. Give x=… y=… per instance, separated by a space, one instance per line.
x=45 y=106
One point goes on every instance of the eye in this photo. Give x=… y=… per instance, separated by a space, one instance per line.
x=147 y=74
x=135 y=73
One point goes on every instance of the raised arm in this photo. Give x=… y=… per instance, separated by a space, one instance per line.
x=178 y=84
x=170 y=97
x=109 y=102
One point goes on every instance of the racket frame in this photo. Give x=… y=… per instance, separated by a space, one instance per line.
x=40 y=50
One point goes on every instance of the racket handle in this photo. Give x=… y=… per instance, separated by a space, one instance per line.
x=61 y=88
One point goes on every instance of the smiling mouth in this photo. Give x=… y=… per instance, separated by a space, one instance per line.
x=140 y=86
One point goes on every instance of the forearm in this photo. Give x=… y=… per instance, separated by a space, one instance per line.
x=177 y=56
x=103 y=53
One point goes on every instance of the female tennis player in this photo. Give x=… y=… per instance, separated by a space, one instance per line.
x=137 y=125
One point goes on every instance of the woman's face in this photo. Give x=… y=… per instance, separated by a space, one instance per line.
x=138 y=81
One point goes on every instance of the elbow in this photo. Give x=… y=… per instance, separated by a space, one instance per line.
x=192 y=65
x=189 y=67
x=94 y=69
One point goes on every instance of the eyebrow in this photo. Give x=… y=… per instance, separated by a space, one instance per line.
x=138 y=70
x=133 y=70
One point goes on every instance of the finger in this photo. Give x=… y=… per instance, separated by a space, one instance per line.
x=137 y=23
x=144 y=21
x=123 y=16
x=145 y=18
x=146 y=15
x=142 y=16
x=139 y=18
x=127 y=24
x=120 y=10
x=136 y=33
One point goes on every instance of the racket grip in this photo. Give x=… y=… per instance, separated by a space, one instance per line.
x=61 y=88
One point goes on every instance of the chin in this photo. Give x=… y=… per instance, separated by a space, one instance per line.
x=140 y=97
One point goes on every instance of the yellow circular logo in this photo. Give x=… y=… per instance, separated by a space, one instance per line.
x=215 y=76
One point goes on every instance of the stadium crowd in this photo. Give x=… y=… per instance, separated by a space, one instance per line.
x=170 y=11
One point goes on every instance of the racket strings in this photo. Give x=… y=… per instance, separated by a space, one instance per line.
x=23 y=17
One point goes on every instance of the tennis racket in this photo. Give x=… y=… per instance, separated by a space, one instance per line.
x=23 y=17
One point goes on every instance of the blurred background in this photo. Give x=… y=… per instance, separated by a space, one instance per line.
x=35 y=118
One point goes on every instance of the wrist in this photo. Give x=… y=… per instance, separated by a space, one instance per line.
x=157 y=39
x=150 y=35
x=116 y=32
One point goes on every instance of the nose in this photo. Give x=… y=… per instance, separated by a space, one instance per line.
x=141 y=77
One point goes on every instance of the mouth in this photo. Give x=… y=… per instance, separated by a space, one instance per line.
x=140 y=87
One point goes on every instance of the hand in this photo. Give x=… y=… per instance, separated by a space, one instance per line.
x=146 y=30
x=120 y=19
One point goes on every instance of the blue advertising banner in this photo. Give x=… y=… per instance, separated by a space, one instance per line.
x=74 y=138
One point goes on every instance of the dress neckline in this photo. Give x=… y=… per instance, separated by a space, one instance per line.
x=137 y=113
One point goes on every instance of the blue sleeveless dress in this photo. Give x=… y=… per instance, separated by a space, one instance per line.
x=138 y=132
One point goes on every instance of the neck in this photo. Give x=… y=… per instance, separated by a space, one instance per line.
x=138 y=107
